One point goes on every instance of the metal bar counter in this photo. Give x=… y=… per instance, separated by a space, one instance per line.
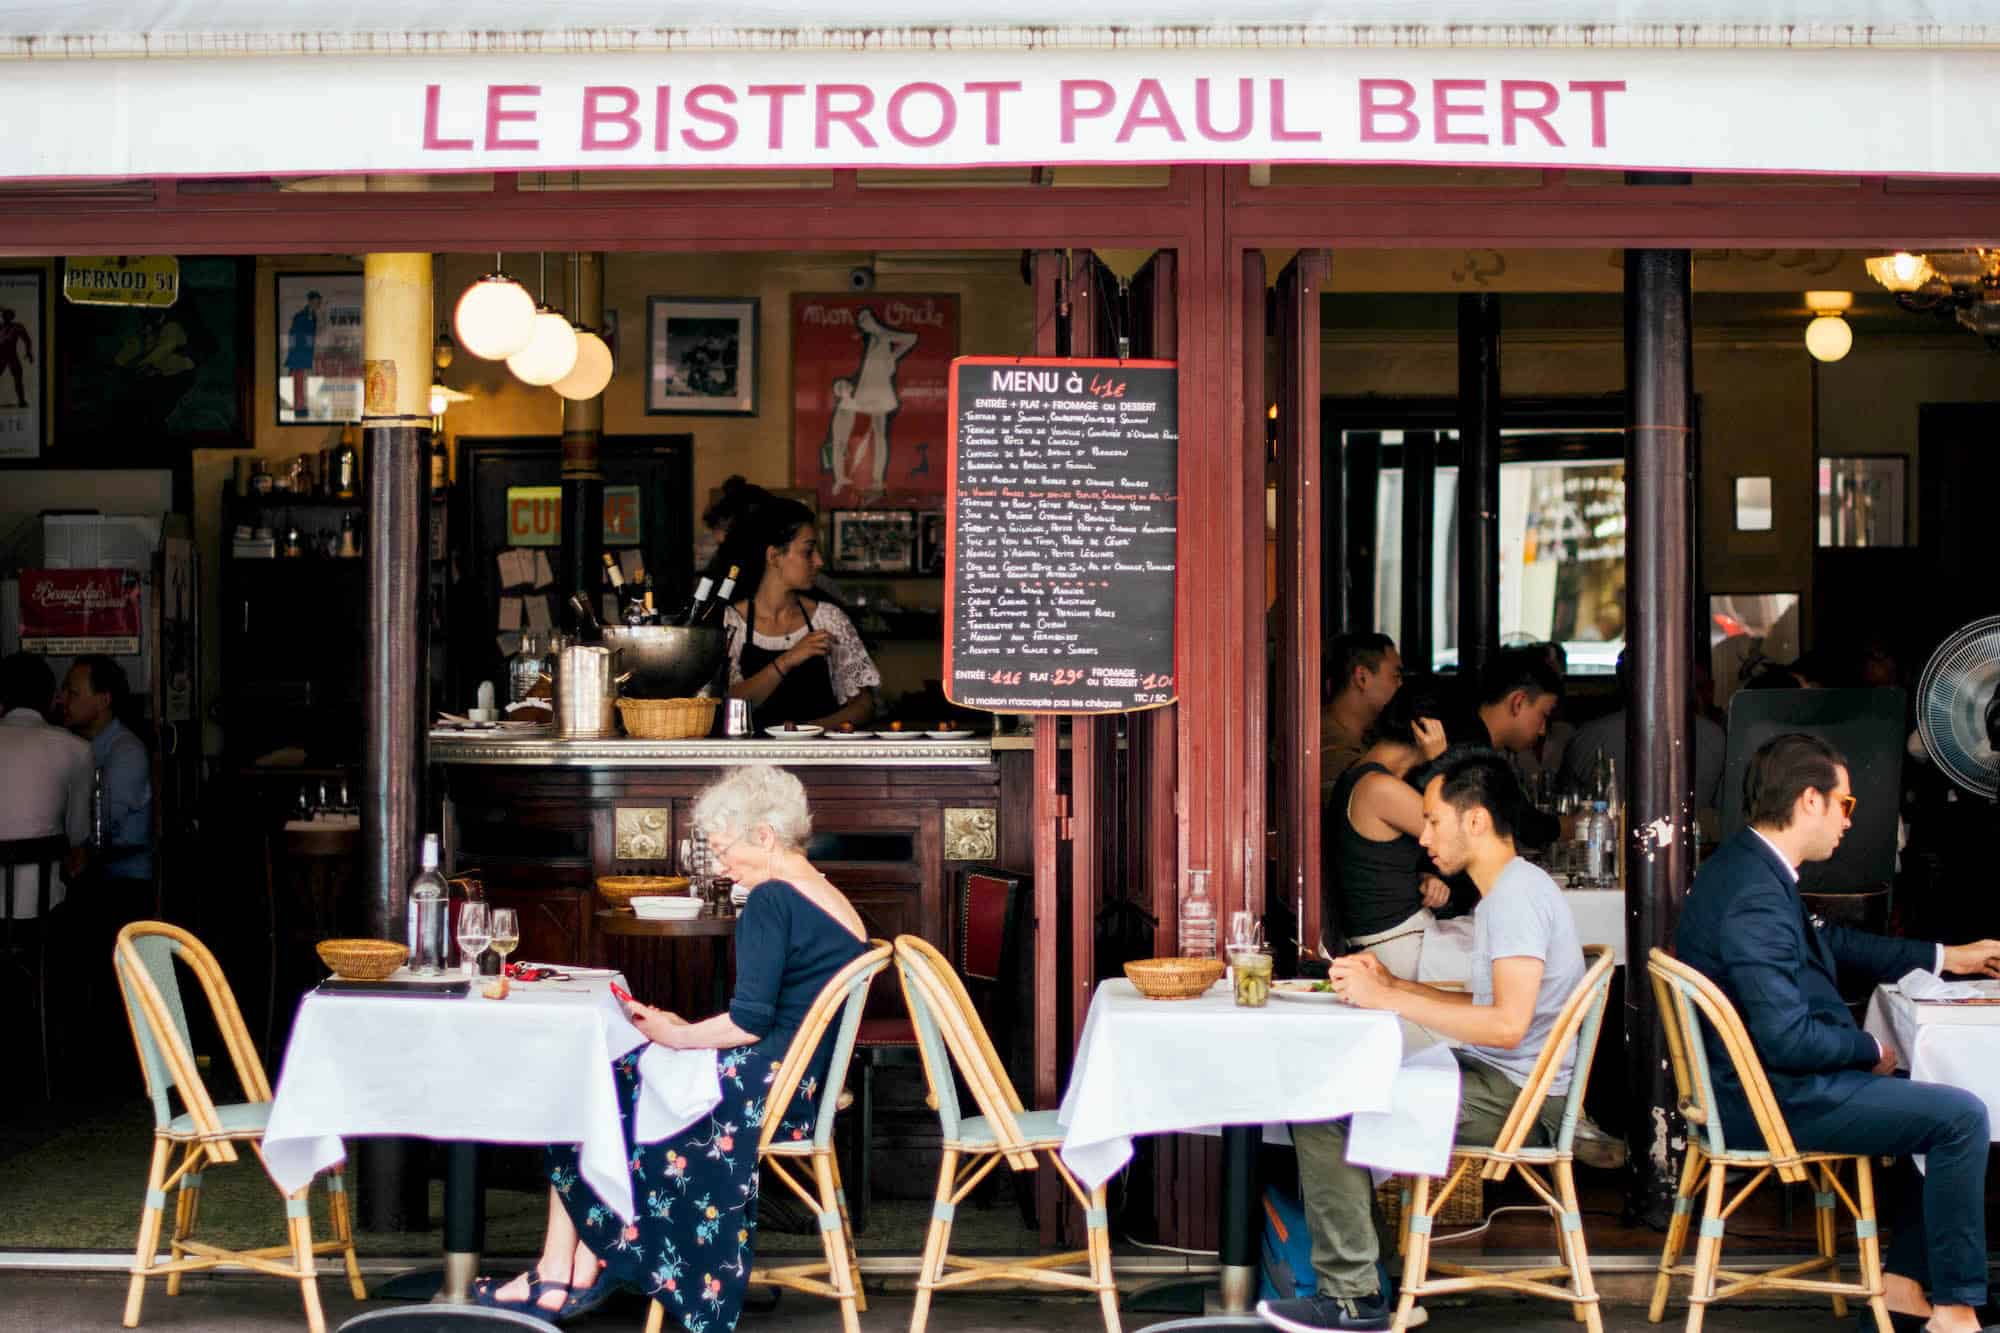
x=541 y=749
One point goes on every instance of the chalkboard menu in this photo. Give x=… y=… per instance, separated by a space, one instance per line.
x=1060 y=534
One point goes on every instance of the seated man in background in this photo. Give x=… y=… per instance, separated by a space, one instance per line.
x=1512 y=704
x=1364 y=671
x=44 y=771
x=1745 y=928
x=1526 y=962
x=93 y=694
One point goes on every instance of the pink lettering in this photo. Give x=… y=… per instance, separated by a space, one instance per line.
x=698 y=108
x=1205 y=123
x=498 y=113
x=776 y=93
x=947 y=115
x=1279 y=133
x=1073 y=109
x=663 y=106
x=1447 y=110
x=595 y=115
x=1596 y=90
x=827 y=115
x=991 y=92
x=1149 y=110
x=1512 y=111
x=434 y=142
x=1392 y=98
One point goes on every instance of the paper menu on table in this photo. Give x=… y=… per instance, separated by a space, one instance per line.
x=1928 y=987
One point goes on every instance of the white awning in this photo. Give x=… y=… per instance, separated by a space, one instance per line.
x=225 y=87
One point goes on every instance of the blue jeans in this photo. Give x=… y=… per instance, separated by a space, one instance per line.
x=1939 y=1239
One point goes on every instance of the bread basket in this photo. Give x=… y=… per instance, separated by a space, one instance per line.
x=667 y=719
x=363 y=960
x=1173 y=978
x=620 y=890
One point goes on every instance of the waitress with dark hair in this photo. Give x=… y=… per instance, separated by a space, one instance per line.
x=795 y=658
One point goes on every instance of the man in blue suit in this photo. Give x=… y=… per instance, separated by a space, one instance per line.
x=1745 y=927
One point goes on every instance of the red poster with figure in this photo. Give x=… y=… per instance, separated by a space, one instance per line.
x=871 y=379
x=66 y=612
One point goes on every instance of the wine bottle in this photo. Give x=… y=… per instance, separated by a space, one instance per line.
x=711 y=612
x=588 y=628
x=615 y=576
x=346 y=480
x=440 y=466
x=701 y=591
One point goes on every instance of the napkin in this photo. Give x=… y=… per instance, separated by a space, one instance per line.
x=1920 y=984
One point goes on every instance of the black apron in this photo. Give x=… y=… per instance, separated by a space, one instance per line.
x=804 y=693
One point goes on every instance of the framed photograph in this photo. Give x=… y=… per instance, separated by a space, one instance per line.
x=701 y=356
x=319 y=348
x=24 y=363
x=134 y=377
x=1863 y=500
x=930 y=542
x=873 y=541
x=871 y=396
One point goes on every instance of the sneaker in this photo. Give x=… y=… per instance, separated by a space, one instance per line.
x=1593 y=1147
x=1316 y=1314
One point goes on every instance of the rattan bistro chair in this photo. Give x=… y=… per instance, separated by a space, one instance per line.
x=949 y=1033
x=838 y=1275
x=1576 y=1026
x=206 y=1134
x=1683 y=994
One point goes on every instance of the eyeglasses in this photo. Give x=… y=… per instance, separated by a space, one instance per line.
x=1846 y=805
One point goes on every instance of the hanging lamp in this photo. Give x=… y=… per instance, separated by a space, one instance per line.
x=494 y=317
x=592 y=371
x=551 y=349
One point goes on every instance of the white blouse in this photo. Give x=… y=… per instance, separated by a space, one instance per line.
x=847 y=661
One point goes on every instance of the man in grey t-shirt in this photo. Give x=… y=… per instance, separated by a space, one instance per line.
x=1526 y=963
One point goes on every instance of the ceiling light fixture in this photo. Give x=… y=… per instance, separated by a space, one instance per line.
x=1829 y=337
x=551 y=350
x=1959 y=285
x=494 y=316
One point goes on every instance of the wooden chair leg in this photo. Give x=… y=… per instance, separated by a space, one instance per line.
x=342 y=1215
x=1677 y=1230
x=864 y=1142
x=656 y=1316
x=149 y=1230
x=1870 y=1243
x=936 y=1240
x=847 y=1235
x=1098 y=1231
x=187 y=1202
x=841 y=1275
x=1828 y=1234
x=298 y=1227
x=1571 y=1225
x=1417 y=1255
x=1707 y=1250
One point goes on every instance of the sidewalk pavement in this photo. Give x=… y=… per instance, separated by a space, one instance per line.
x=59 y=1303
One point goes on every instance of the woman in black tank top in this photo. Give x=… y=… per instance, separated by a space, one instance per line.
x=1377 y=876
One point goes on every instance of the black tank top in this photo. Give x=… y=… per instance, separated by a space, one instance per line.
x=1370 y=886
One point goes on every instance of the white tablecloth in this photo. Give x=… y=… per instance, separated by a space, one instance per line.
x=1960 y=1054
x=533 y=1068
x=1154 y=1066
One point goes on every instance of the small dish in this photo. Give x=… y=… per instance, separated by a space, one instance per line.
x=666 y=909
x=850 y=735
x=1300 y=991
x=949 y=735
x=900 y=736
x=796 y=733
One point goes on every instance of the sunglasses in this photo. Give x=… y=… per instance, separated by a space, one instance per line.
x=1846 y=805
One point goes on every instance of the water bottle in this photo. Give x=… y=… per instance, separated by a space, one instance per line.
x=430 y=909
x=1197 y=924
x=1603 y=851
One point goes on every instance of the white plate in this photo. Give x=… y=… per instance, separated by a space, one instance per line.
x=802 y=733
x=901 y=736
x=949 y=735
x=850 y=735
x=1300 y=992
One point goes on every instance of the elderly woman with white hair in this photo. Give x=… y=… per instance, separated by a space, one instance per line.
x=690 y=1245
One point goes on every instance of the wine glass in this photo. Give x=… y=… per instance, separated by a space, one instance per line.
x=475 y=932
x=506 y=933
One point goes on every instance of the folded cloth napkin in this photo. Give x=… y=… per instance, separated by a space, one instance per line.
x=1921 y=984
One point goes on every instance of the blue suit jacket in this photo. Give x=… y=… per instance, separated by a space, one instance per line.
x=1745 y=928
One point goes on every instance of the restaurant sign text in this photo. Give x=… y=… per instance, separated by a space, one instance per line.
x=534 y=516
x=148 y=280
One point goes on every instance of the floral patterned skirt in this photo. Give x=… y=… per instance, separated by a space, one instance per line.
x=696 y=1192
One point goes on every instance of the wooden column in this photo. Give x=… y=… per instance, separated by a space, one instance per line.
x=1659 y=726
x=582 y=434
x=1302 y=535
x=1419 y=544
x=1150 y=736
x=395 y=434
x=1478 y=484
x=1246 y=893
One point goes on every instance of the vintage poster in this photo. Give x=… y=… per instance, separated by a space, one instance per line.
x=870 y=390
x=23 y=364
x=319 y=348
x=140 y=376
x=68 y=612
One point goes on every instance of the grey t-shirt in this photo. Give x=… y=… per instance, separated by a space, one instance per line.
x=1524 y=916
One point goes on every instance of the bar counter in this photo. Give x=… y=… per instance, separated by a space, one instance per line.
x=539 y=819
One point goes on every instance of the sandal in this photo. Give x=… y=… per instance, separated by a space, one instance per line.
x=583 y=1300
x=485 y=1291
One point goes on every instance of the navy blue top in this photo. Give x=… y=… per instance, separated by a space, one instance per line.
x=787 y=949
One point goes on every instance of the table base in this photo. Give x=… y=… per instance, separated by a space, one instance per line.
x=464 y=1237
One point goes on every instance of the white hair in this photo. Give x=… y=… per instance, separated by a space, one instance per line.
x=756 y=796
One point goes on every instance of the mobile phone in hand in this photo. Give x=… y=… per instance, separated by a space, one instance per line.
x=623 y=995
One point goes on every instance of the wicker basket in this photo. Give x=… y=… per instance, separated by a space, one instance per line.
x=1173 y=978
x=620 y=890
x=1466 y=1207
x=667 y=719
x=363 y=960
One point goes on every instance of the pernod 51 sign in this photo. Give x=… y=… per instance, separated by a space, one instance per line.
x=149 y=280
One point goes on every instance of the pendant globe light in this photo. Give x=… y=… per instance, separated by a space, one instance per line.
x=551 y=350
x=592 y=371
x=494 y=316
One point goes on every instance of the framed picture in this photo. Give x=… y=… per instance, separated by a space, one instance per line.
x=873 y=541
x=1863 y=500
x=319 y=348
x=135 y=377
x=24 y=363
x=930 y=542
x=871 y=396
x=701 y=356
